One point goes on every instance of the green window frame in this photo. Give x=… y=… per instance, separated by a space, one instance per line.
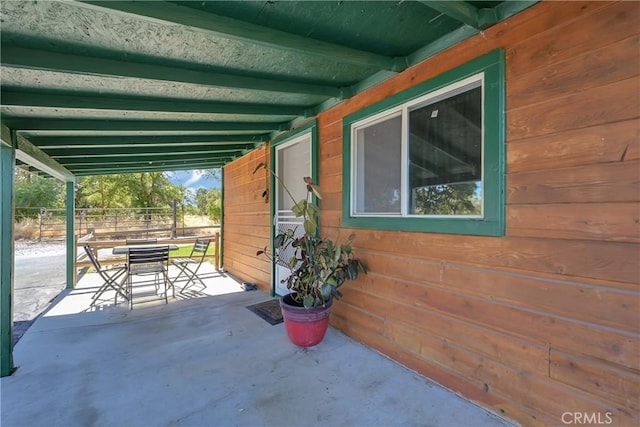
x=489 y=70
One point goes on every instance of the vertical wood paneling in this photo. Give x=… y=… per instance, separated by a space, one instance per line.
x=546 y=319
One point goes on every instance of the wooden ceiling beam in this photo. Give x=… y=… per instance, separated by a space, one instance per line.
x=149 y=168
x=459 y=10
x=142 y=141
x=100 y=101
x=26 y=57
x=35 y=123
x=33 y=156
x=181 y=164
x=90 y=164
x=151 y=152
x=234 y=29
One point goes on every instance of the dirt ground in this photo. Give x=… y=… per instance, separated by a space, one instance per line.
x=39 y=276
x=33 y=247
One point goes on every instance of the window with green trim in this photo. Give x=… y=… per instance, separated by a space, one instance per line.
x=431 y=158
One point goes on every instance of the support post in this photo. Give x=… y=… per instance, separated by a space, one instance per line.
x=221 y=239
x=71 y=238
x=174 y=224
x=147 y=221
x=40 y=217
x=216 y=255
x=182 y=218
x=7 y=166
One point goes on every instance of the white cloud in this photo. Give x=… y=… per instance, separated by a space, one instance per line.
x=196 y=176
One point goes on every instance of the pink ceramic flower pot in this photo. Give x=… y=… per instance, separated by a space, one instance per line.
x=306 y=327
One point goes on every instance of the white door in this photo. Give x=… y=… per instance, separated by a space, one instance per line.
x=292 y=164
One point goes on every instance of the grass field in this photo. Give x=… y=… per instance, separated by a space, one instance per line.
x=185 y=251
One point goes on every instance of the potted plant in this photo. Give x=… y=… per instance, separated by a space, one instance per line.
x=318 y=266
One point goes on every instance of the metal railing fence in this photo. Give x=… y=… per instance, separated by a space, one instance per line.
x=113 y=223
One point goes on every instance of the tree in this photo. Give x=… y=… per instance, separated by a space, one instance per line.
x=138 y=190
x=213 y=174
x=209 y=202
x=33 y=192
x=146 y=189
x=200 y=200
x=214 y=207
x=102 y=192
x=447 y=199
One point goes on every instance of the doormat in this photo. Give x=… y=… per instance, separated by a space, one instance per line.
x=268 y=310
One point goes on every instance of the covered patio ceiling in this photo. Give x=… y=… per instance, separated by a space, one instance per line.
x=106 y=87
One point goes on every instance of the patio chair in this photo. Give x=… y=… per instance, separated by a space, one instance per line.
x=140 y=242
x=152 y=260
x=109 y=275
x=189 y=266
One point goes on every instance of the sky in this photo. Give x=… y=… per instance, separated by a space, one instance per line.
x=193 y=179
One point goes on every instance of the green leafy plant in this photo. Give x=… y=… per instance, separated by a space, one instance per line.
x=318 y=266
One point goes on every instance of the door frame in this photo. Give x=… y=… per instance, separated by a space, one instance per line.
x=309 y=127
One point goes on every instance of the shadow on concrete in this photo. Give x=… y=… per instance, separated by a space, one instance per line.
x=208 y=361
x=39 y=277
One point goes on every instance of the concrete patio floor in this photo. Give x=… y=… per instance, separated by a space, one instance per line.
x=206 y=360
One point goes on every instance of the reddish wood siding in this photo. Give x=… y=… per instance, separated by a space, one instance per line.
x=246 y=219
x=546 y=319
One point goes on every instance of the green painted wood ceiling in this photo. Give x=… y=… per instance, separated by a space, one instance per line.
x=118 y=86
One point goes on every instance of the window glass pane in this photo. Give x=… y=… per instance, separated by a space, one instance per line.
x=445 y=156
x=378 y=149
x=293 y=163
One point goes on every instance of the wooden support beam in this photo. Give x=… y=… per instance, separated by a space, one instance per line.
x=221 y=257
x=136 y=168
x=509 y=8
x=140 y=169
x=145 y=160
x=149 y=152
x=234 y=29
x=126 y=125
x=32 y=155
x=12 y=97
x=446 y=41
x=7 y=164
x=461 y=11
x=478 y=18
x=5 y=135
x=193 y=162
x=70 y=235
x=23 y=57
x=99 y=142
x=217 y=250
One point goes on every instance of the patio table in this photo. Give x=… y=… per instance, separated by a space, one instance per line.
x=147 y=262
x=123 y=250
